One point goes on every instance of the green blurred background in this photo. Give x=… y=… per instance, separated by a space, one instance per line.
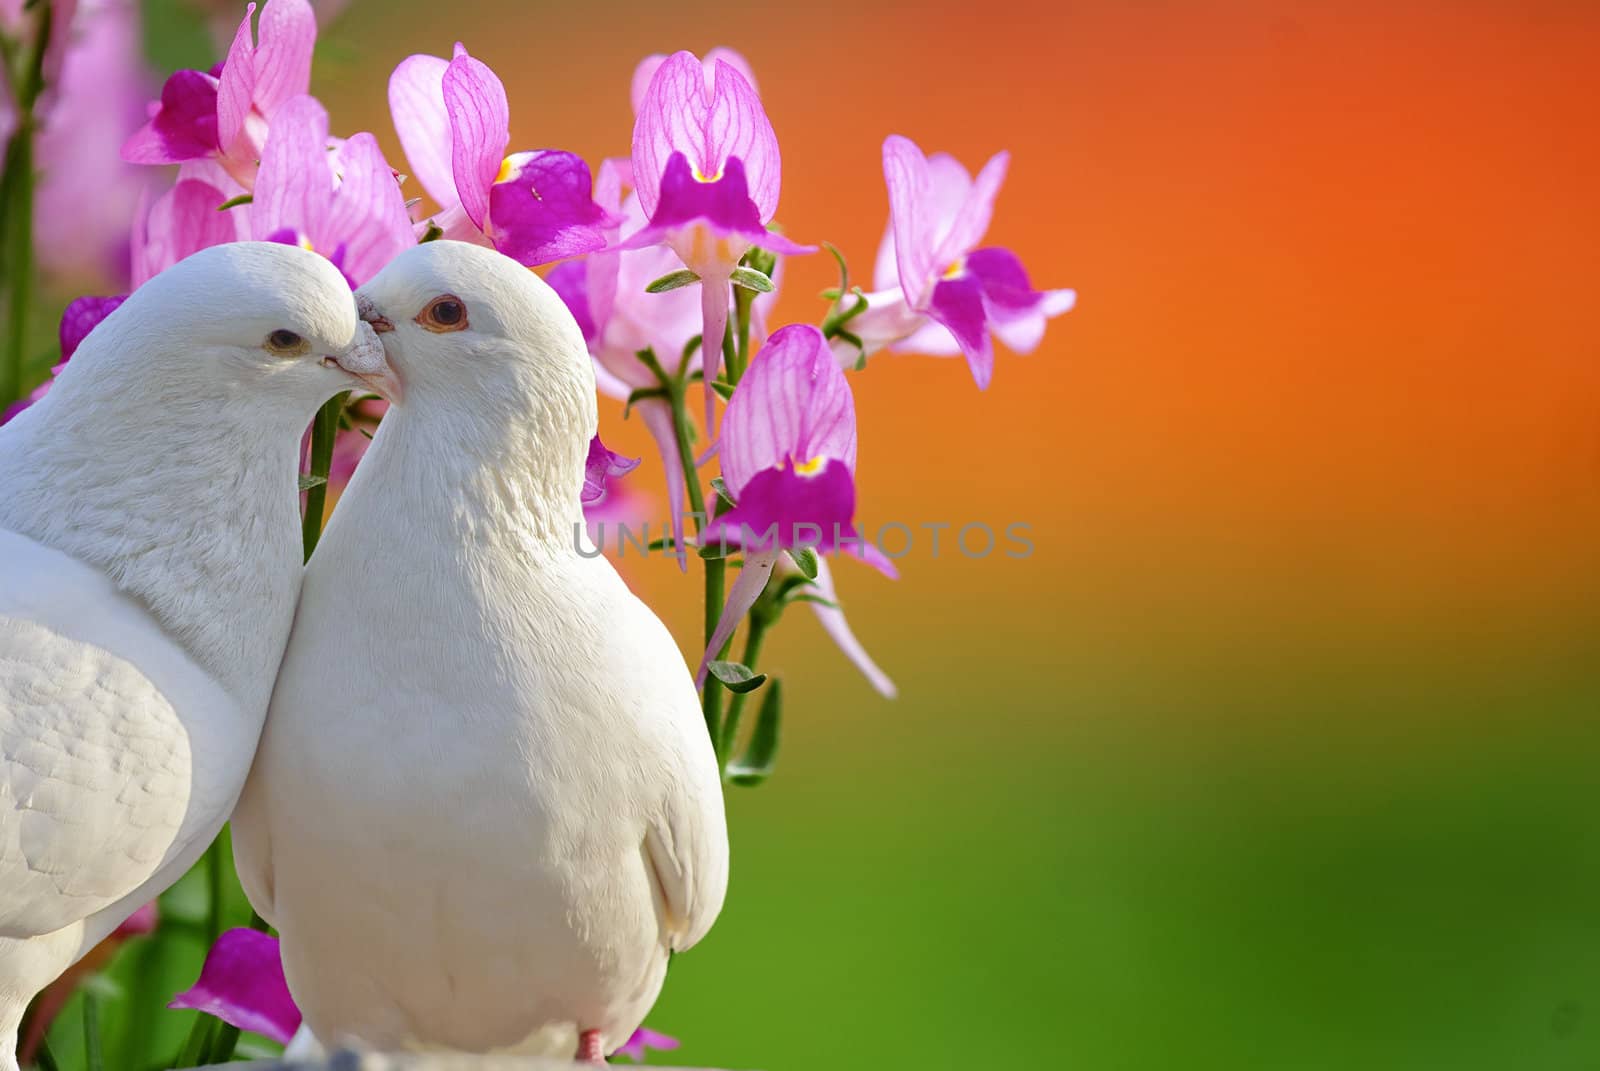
x=1282 y=748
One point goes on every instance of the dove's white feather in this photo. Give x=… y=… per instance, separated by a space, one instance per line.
x=149 y=566
x=485 y=806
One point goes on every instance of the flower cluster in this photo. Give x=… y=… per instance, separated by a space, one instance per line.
x=668 y=258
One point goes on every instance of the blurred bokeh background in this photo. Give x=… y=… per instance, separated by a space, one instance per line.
x=1283 y=747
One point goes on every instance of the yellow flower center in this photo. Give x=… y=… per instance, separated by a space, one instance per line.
x=955 y=270
x=809 y=468
x=698 y=177
x=507 y=169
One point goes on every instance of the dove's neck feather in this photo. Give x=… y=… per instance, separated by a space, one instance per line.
x=186 y=500
x=492 y=475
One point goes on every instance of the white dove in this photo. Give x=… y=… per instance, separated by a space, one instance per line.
x=485 y=810
x=149 y=565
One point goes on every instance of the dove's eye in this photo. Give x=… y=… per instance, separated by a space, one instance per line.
x=286 y=343
x=444 y=313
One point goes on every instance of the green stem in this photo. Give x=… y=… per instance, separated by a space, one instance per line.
x=223 y=1041
x=93 y=1059
x=198 y=1041
x=214 y=864
x=752 y=651
x=44 y=1059
x=711 y=698
x=324 y=430
x=16 y=234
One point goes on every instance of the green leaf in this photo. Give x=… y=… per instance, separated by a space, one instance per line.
x=736 y=676
x=307 y=481
x=844 y=269
x=751 y=279
x=235 y=202
x=723 y=388
x=762 y=260
x=806 y=559
x=433 y=233
x=818 y=599
x=640 y=395
x=716 y=551
x=722 y=490
x=672 y=281
x=761 y=753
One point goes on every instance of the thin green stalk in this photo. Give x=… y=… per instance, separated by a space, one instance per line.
x=198 y=1041
x=93 y=1059
x=711 y=700
x=223 y=1041
x=324 y=430
x=214 y=865
x=752 y=651
x=16 y=201
x=44 y=1059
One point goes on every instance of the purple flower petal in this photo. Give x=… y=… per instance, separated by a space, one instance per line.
x=242 y=984
x=646 y=71
x=971 y=220
x=82 y=316
x=792 y=406
x=603 y=465
x=235 y=94
x=184 y=126
x=481 y=120
x=958 y=305
x=416 y=103
x=544 y=209
x=180 y=222
x=570 y=282
x=709 y=121
x=1004 y=279
x=657 y=417
x=905 y=171
x=743 y=595
x=145 y=920
x=838 y=629
x=643 y=1039
x=367 y=217
x=294 y=187
x=288 y=35
x=789 y=508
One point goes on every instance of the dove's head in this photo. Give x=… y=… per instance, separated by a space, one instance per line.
x=476 y=335
x=270 y=327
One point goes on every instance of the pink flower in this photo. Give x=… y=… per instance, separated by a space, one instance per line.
x=80 y=317
x=643 y=1039
x=242 y=984
x=226 y=114
x=707 y=171
x=86 y=196
x=343 y=203
x=455 y=125
x=180 y=222
x=606 y=294
x=600 y=468
x=788 y=462
x=936 y=291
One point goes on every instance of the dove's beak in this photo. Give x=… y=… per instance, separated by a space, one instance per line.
x=366 y=361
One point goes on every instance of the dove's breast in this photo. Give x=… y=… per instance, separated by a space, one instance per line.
x=461 y=772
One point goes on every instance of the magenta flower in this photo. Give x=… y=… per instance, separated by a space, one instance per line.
x=643 y=1039
x=936 y=291
x=601 y=467
x=226 y=114
x=180 y=222
x=606 y=295
x=707 y=172
x=831 y=616
x=77 y=320
x=343 y=203
x=455 y=125
x=242 y=984
x=788 y=461
x=86 y=196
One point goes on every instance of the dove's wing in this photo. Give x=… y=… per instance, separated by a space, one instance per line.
x=687 y=853
x=98 y=743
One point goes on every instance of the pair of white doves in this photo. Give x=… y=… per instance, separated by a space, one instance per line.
x=484 y=809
